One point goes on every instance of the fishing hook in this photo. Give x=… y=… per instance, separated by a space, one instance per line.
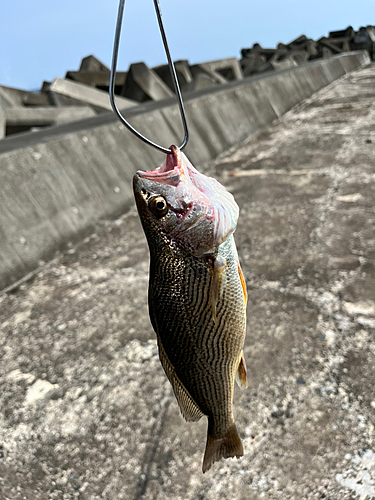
x=172 y=70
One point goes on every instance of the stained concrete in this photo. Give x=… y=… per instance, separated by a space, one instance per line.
x=56 y=183
x=87 y=412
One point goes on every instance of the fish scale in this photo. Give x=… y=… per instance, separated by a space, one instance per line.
x=184 y=337
x=197 y=296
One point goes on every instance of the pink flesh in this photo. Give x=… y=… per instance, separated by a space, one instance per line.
x=194 y=188
x=169 y=172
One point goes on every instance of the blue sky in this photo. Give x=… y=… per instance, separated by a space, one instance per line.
x=43 y=39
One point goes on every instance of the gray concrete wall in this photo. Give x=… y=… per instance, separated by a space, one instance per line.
x=56 y=183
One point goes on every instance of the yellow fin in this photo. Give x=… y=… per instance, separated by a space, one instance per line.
x=188 y=407
x=241 y=374
x=243 y=282
x=219 y=266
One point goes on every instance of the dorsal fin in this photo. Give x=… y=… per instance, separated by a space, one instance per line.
x=189 y=408
x=219 y=266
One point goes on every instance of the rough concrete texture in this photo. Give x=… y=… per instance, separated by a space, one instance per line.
x=87 y=412
x=230 y=68
x=38 y=116
x=72 y=175
x=143 y=84
x=79 y=93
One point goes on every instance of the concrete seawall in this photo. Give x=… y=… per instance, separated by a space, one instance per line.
x=54 y=184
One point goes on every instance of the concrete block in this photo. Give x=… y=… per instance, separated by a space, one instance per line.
x=342 y=43
x=301 y=40
x=311 y=48
x=229 y=68
x=299 y=56
x=91 y=63
x=36 y=99
x=68 y=93
x=267 y=53
x=371 y=32
x=364 y=39
x=197 y=69
x=325 y=53
x=330 y=44
x=23 y=119
x=5 y=100
x=98 y=79
x=143 y=84
x=347 y=33
x=18 y=97
x=184 y=76
x=202 y=81
x=252 y=64
x=306 y=45
x=94 y=73
x=275 y=65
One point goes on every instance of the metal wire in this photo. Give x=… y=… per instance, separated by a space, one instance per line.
x=112 y=80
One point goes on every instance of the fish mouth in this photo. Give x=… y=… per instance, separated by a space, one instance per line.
x=169 y=173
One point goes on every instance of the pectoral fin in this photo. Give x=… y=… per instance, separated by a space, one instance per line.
x=241 y=377
x=243 y=282
x=219 y=266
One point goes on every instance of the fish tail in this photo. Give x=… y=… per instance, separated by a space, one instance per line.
x=226 y=446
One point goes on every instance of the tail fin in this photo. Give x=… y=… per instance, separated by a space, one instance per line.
x=226 y=446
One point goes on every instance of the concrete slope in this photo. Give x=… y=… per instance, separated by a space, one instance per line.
x=56 y=183
x=86 y=409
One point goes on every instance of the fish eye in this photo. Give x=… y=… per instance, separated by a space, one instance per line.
x=158 y=206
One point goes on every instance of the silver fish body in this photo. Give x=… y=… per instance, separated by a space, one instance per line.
x=197 y=295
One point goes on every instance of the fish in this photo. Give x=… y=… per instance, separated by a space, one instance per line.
x=197 y=294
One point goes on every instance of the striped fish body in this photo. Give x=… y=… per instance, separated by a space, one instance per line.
x=197 y=304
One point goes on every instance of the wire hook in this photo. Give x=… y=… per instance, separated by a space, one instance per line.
x=176 y=85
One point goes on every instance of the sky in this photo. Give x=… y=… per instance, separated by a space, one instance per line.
x=42 y=39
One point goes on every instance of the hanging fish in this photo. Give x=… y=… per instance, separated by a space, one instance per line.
x=197 y=294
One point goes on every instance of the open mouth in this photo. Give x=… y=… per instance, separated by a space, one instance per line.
x=168 y=173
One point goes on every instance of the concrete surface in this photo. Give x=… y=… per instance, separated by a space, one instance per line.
x=92 y=64
x=184 y=76
x=19 y=118
x=87 y=412
x=143 y=84
x=74 y=174
x=99 y=79
x=217 y=78
x=60 y=90
x=11 y=96
x=229 y=68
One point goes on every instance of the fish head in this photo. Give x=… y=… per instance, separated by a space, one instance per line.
x=181 y=207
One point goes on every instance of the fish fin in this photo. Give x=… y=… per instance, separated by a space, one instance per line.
x=243 y=282
x=219 y=266
x=188 y=407
x=226 y=446
x=241 y=378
